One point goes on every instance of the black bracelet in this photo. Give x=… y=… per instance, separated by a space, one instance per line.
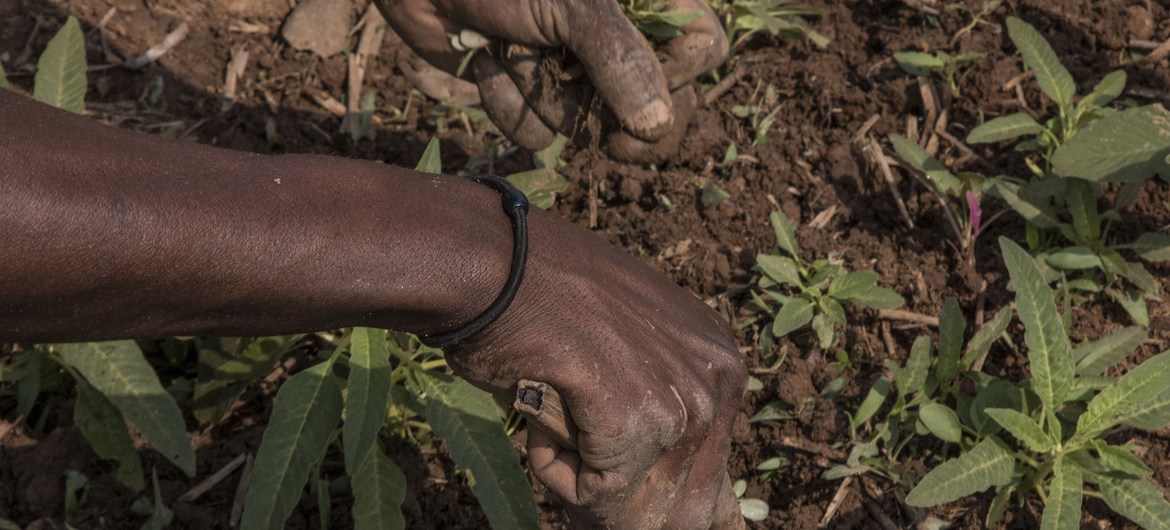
x=516 y=206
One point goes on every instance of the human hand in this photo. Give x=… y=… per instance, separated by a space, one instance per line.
x=649 y=375
x=648 y=97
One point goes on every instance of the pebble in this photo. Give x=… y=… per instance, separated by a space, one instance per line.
x=320 y=26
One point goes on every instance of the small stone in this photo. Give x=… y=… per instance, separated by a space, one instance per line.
x=320 y=26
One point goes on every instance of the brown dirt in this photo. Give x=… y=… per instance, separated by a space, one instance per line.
x=811 y=164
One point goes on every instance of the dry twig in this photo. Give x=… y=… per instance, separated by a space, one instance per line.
x=908 y=316
x=235 y=71
x=241 y=491
x=720 y=88
x=158 y=50
x=875 y=152
x=838 y=498
x=199 y=490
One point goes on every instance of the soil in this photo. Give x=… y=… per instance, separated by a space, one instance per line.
x=813 y=166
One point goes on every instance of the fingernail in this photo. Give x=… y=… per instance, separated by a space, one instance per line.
x=652 y=121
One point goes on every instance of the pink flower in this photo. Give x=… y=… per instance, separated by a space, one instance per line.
x=975 y=212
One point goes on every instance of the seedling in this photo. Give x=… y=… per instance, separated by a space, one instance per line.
x=810 y=293
x=1057 y=420
x=657 y=20
x=960 y=195
x=761 y=113
x=941 y=64
x=752 y=509
x=744 y=19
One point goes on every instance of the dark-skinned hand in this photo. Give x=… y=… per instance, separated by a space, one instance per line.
x=531 y=92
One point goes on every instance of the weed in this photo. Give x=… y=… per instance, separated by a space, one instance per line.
x=752 y=509
x=761 y=113
x=1057 y=419
x=941 y=64
x=813 y=293
x=744 y=19
x=657 y=20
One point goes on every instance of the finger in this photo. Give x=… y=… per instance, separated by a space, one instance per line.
x=701 y=46
x=506 y=107
x=622 y=66
x=421 y=27
x=727 y=513
x=553 y=465
x=436 y=83
x=627 y=148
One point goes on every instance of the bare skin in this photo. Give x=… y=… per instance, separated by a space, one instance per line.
x=641 y=88
x=112 y=234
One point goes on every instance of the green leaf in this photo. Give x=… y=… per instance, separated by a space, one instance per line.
x=431 y=160
x=1097 y=356
x=878 y=298
x=918 y=63
x=951 y=327
x=1042 y=216
x=305 y=414
x=1107 y=90
x=103 y=425
x=917 y=366
x=3 y=77
x=852 y=284
x=793 y=315
x=753 y=509
x=1081 y=201
x=1125 y=397
x=60 y=79
x=466 y=418
x=1126 y=146
x=1152 y=246
x=988 y=464
x=1053 y=78
x=942 y=422
x=1063 y=508
x=368 y=395
x=1151 y=415
x=991 y=331
x=379 y=488
x=1133 y=304
x=1049 y=350
x=776 y=410
x=1004 y=128
x=713 y=194
x=785 y=233
x=1023 y=428
x=224 y=371
x=118 y=370
x=1137 y=500
x=541 y=186
x=917 y=157
x=1121 y=458
x=872 y=402
x=781 y=269
x=1074 y=259
x=823 y=327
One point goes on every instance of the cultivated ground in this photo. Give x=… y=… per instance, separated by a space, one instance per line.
x=815 y=166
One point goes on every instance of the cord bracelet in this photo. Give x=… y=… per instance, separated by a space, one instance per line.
x=516 y=206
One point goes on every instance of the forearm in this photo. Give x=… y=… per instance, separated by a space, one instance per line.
x=111 y=234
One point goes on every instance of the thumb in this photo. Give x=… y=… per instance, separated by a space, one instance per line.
x=621 y=65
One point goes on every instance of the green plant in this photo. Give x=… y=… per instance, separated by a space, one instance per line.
x=744 y=19
x=941 y=64
x=752 y=509
x=1057 y=419
x=655 y=19
x=810 y=293
x=1067 y=228
x=1057 y=83
x=761 y=113
x=960 y=195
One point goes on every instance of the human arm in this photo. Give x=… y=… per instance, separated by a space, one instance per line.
x=111 y=234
